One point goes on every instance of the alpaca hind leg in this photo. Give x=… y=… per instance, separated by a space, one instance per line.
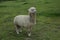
x=17 y=29
x=29 y=31
x=20 y=29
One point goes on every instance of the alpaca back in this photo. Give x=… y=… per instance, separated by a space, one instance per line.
x=22 y=20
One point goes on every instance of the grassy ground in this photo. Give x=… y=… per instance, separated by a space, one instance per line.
x=48 y=19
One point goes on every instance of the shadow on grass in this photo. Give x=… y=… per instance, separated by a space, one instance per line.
x=6 y=0
x=22 y=35
x=3 y=6
x=1 y=37
x=49 y=14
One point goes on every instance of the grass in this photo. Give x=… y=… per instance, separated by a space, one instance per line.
x=48 y=19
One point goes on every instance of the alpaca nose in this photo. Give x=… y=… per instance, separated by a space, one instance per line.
x=32 y=9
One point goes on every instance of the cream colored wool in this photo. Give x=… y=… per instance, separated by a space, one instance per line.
x=24 y=20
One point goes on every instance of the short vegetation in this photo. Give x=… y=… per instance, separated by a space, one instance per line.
x=48 y=19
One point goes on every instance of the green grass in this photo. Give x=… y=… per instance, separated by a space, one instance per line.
x=48 y=19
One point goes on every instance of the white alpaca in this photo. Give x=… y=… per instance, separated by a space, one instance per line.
x=28 y=21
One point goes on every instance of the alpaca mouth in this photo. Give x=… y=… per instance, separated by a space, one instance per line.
x=32 y=13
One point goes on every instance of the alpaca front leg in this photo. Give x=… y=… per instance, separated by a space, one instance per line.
x=29 y=31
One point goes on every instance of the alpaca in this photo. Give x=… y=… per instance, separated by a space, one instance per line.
x=27 y=21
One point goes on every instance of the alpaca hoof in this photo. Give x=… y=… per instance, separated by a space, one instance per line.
x=29 y=34
x=17 y=32
x=20 y=30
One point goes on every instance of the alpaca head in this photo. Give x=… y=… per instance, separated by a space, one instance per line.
x=32 y=13
x=32 y=10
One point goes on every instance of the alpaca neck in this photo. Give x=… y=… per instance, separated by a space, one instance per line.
x=32 y=17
